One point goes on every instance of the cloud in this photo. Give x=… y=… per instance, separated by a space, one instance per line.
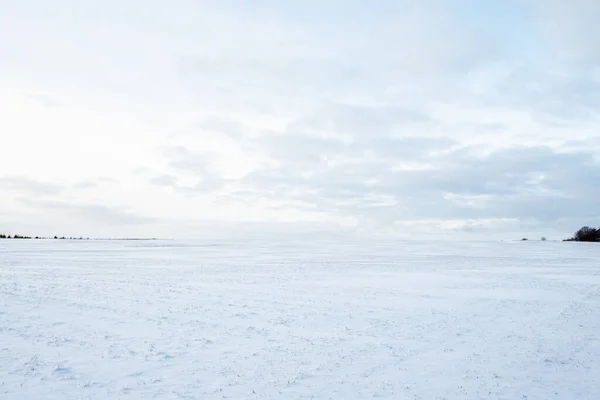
x=221 y=125
x=572 y=27
x=465 y=117
x=29 y=186
x=85 y=185
x=517 y=183
x=550 y=97
x=165 y=180
x=96 y=213
x=361 y=120
x=197 y=170
x=94 y=183
x=46 y=100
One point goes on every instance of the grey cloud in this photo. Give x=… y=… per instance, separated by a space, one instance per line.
x=165 y=180
x=180 y=158
x=30 y=186
x=572 y=97
x=572 y=27
x=47 y=100
x=299 y=148
x=276 y=76
x=587 y=145
x=94 y=183
x=537 y=184
x=203 y=185
x=85 y=185
x=403 y=149
x=312 y=162
x=96 y=213
x=503 y=172
x=362 y=120
x=195 y=164
x=371 y=58
x=354 y=131
x=224 y=126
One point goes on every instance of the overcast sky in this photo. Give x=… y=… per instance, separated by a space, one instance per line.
x=455 y=119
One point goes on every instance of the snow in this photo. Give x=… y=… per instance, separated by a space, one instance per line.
x=258 y=320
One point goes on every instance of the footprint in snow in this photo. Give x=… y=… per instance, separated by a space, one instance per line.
x=64 y=373
x=165 y=355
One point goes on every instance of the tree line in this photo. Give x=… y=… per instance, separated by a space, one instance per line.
x=586 y=234
x=4 y=236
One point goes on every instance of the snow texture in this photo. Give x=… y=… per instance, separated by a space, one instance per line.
x=250 y=320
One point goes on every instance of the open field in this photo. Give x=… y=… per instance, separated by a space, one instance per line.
x=255 y=320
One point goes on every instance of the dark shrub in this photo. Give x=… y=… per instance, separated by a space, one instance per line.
x=587 y=234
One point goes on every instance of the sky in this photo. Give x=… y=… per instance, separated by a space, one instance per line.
x=458 y=119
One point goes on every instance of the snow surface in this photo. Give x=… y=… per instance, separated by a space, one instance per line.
x=250 y=320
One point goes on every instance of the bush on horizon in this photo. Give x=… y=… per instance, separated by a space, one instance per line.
x=586 y=234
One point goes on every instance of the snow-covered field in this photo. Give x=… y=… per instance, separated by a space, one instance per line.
x=250 y=320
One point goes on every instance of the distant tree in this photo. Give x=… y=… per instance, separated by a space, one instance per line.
x=55 y=237
x=524 y=239
x=2 y=236
x=587 y=234
x=543 y=238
